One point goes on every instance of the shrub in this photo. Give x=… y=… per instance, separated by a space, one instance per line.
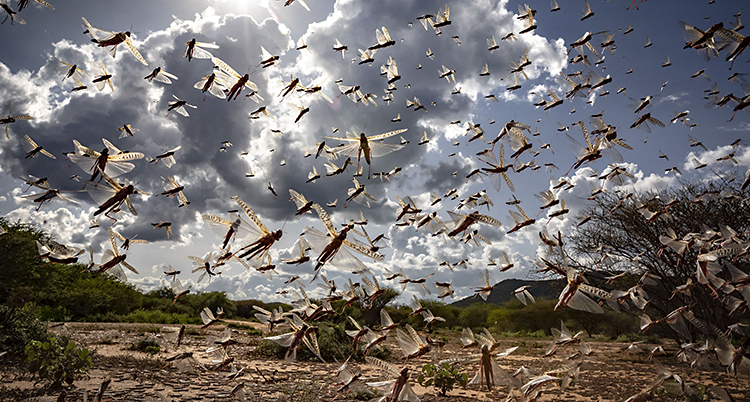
x=443 y=377
x=160 y=317
x=58 y=313
x=18 y=327
x=146 y=345
x=334 y=343
x=475 y=315
x=270 y=349
x=254 y=332
x=58 y=360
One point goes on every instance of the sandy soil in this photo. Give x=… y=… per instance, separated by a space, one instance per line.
x=609 y=374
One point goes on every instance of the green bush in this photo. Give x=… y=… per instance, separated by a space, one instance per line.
x=443 y=377
x=18 y=327
x=539 y=316
x=636 y=337
x=333 y=342
x=58 y=360
x=615 y=324
x=58 y=313
x=334 y=345
x=474 y=316
x=146 y=345
x=160 y=317
x=254 y=332
x=270 y=349
x=499 y=319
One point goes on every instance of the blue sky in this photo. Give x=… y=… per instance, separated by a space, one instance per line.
x=29 y=79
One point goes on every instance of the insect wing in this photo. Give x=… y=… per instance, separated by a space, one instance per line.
x=284 y=340
x=177 y=287
x=99 y=35
x=312 y=344
x=223 y=66
x=28 y=144
x=343 y=259
x=516 y=218
x=115 y=168
x=577 y=148
x=385 y=366
x=207 y=316
x=608 y=149
x=181 y=110
x=346 y=150
x=407 y=394
x=378 y=149
x=217 y=87
x=250 y=214
x=136 y=53
x=101 y=193
x=130 y=206
x=200 y=53
x=165 y=77
x=100 y=85
x=84 y=151
x=386 y=135
x=494 y=178
x=580 y=301
x=382 y=37
x=364 y=250
x=323 y=215
x=489 y=157
x=128 y=266
x=406 y=342
x=64 y=198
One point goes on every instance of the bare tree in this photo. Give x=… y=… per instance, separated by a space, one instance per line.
x=681 y=238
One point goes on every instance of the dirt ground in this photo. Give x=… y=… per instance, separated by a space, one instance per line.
x=609 y=374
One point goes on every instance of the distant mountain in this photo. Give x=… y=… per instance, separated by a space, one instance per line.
x=501 y=293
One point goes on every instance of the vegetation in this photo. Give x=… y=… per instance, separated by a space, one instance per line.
x=56 y=292
x=18 y=327
x=146 y=345
x=58 y=360
x=442 y=376
x=303 y=391
x=335 y=345
x=634 y=247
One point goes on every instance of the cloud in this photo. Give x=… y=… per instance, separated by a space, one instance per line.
x=211 y=177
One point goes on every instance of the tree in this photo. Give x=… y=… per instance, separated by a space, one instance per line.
x=21 y=266
x=371 y=313
x=475 y=315
x=689 y=287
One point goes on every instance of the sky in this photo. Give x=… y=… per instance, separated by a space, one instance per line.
x=30 y=79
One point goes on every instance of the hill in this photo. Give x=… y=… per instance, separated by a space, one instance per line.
x=502 y=292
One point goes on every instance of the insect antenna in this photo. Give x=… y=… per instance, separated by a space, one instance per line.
x=282 y=226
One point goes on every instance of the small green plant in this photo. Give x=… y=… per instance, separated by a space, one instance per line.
x=443 y=377
x=270 y=349
x=302 y=391
x=152 y=350
x=254 y=332
x=59 y=360
x=146 y=345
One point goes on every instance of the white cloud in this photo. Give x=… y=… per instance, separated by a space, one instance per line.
x=212 y=177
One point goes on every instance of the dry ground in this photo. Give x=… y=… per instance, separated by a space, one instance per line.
x=608 y=375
